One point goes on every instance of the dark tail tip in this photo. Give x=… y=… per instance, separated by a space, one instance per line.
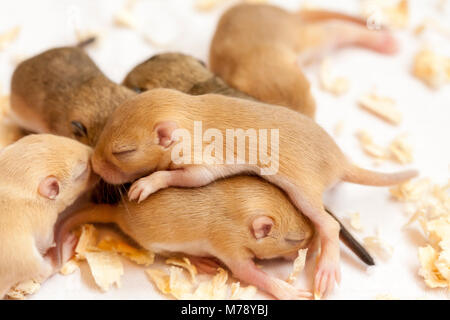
x=353 y=244
x=86 y=42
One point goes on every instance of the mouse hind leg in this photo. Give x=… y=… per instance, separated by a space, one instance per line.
x=309 y=202
x=247 y=271
x=272 y=74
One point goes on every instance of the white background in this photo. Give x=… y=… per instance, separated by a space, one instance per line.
x=180 y=27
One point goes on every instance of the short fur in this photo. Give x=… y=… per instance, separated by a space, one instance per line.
x=27 y=218
x=256 y=48
x=136 y=141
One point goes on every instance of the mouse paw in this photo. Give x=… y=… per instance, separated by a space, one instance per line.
x=68 y=247
x=327 y=274
x=286 y=291
x=141 y=189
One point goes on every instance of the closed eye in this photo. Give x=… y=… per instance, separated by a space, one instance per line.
x=124 y=152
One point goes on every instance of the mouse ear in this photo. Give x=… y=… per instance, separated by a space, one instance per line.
x=49 y=188
x=262 y=226
x=164 y=131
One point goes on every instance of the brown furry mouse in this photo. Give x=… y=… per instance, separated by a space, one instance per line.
x=256 y=48
x=235 y=220
x=40 y=177
x=187 y=74
x=78 y=83
x=178 y=71
x=142 y=137
x=62 y=91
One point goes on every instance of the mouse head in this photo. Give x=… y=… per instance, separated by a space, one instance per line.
x=279 y=235
x=91 y=105
x=62 y=91
x=167 y=70
x=50 y=169
x=133 y=143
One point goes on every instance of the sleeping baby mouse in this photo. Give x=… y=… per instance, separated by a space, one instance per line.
x=40 y=177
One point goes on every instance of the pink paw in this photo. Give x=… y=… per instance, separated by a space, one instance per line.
x=141 y=189
x=327 y=274
x=285 y=291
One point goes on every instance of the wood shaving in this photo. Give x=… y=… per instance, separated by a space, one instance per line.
x=432 y=24
x=387 y=12
x=176 y=284
x=184 y=263
x=106 y=268
x=242 y=293
x=399 y=150
x=7 y=37
x=382 y=107
x=299 y=265
x=125 y=19
x=432 y=68
x=21 y=290
x=139 y=256
x=334 y=85
x=378 y=247
x=430 y=205
x=70 y=267
x=355 y=221
x=103 y=257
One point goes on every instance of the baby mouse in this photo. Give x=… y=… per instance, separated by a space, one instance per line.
x=62 y=91
x=140 y=138
x=256 y=48
x=190 y=75
x=178 y=71
x=40 y=177
x=235 y=220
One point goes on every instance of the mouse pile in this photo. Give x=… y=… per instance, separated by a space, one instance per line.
x=426 y=203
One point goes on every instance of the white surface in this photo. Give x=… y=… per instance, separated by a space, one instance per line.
x=426 y=120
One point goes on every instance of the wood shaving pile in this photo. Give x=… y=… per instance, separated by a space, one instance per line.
x=103 y=257
x=429 y=204
x=382 y=107
x=179 y=286
x=7 y=37
x=430 y=67
x=335 y=85
x=21 y=290
x=387 y=12
x=399 y=150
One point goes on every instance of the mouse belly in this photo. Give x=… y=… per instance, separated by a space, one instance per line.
x=199 y=248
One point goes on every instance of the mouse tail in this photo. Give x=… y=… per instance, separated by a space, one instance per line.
x=372 y=178
x=84 y=43
x=353 y=244
x=91 y=214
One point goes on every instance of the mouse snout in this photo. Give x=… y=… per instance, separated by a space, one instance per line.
x=108 y=171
